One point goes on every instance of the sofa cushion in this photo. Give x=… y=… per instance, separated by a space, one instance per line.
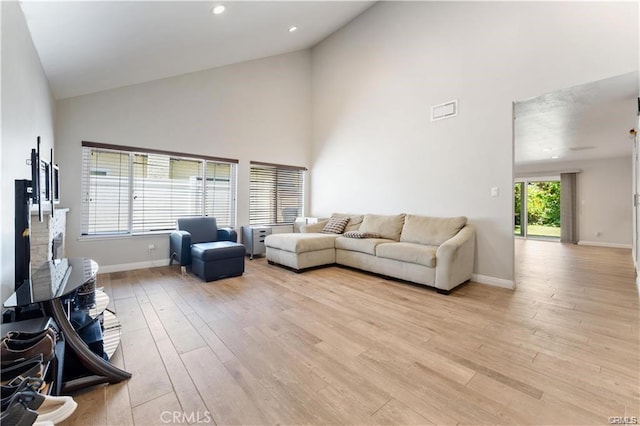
x=430 y=230
x=301 y=243
x=408 y=252
x=335 y=225
x=355 y=220
x=314 y=228
x=388 y=227
x=367 y=246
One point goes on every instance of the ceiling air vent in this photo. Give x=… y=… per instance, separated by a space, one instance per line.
x=445 y=110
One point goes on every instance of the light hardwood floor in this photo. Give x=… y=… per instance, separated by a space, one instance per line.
x=337 y=346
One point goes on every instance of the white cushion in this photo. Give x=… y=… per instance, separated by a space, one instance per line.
x=388 y=227
x=431 y=231
x=314 y=228
x=367 y=245
x=301 y=243
x=408 y=252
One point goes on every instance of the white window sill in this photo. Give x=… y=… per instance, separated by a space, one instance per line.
x=122 y=236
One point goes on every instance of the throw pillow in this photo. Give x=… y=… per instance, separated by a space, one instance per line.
x=354 y=220
x=360 y=234
x=335 y=225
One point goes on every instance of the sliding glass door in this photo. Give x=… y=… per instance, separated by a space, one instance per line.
x=537 y=208
x=520 y=218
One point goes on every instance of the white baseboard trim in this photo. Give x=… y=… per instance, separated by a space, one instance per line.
x=106 y=269
x=493 y=281
x=131 y=266
x=599 y=244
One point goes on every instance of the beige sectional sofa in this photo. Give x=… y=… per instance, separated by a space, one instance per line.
x=433 y=251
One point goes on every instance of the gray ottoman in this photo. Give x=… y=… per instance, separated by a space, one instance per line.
x=212 y=261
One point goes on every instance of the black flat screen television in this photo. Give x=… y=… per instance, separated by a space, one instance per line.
x=54 y=184
x=43 y=191
x=35 y=179
x=45 y=182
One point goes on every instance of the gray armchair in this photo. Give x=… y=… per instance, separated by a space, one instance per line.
x=195 y=230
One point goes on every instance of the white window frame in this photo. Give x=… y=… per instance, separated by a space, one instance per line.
x=87 y=232
x=277 y=216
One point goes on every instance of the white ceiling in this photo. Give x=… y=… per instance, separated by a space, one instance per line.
x=88 y=46
x=591 y=121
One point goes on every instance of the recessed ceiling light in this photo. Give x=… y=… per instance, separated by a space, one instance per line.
x=547 y=149
x=555 y=157
x=217 y=10
x=293 y=29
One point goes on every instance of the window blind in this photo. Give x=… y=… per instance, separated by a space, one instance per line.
x=105 y=192
x=220 y=192
x=165 y=189
x=276 y=193
x=136 y=192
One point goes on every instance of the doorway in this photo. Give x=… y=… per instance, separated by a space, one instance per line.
x=537 y=208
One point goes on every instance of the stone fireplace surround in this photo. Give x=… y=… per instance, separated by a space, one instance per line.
x=48 y=237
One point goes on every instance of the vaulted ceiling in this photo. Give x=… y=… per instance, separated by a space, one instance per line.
x=89 y=46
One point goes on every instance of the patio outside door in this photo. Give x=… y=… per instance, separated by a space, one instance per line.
x=537 y=209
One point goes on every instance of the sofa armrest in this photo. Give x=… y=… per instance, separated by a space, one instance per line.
x=455 y=258
x=180 y=247
x=314 y=227
x=227 y=234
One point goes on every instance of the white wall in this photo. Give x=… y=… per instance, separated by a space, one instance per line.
x=604 y=199
x=27 y=112
x=258 y=110
x=374 y=81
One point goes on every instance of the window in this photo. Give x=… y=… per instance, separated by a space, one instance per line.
x=276 y=193
x=131 y=191
x=105 y=203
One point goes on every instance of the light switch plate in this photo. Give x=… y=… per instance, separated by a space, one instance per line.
x=495 y=191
